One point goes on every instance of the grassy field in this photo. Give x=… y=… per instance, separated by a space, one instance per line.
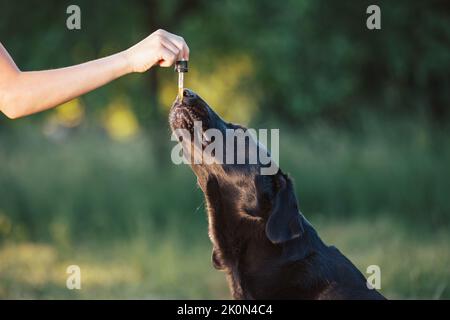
x=135 y=223
x=413 y=265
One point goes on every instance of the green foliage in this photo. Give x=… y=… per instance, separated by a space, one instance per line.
x=317 y=58
x=313 y=59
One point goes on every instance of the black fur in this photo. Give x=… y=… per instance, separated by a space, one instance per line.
x=260 y=238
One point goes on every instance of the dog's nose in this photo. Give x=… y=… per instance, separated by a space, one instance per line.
x=188 y=93
x=189 y=97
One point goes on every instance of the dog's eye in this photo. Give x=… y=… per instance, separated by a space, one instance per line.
x=283 y=182
x=268 y=187
x=279 y=182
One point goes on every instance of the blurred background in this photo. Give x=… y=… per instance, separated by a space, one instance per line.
x=364 y=127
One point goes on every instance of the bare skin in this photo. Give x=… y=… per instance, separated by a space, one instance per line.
x=26 y=92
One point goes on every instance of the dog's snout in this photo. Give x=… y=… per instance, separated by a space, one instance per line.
x=188 y=93
x=192 y=107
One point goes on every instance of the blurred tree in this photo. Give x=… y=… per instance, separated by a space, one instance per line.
x=311 y=58
x=317 y=58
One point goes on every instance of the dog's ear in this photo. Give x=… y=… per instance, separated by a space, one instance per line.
x=284 y=222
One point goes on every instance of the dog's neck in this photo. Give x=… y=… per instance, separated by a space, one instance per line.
x=304 y=246
x=281 y=275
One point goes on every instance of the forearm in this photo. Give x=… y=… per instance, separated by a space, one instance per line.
x=31 y=92
x=24 y=93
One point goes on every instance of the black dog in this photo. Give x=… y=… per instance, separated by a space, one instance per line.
x=260 y=239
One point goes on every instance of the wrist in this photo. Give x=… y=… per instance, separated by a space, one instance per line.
x=125 y=62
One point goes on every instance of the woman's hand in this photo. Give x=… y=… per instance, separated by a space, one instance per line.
x=161 y=47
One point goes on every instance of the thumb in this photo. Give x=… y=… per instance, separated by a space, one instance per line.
x=167 y=58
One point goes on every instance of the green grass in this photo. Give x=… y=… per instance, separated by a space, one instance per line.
x=136 y=226
x=133 y=270
x=413 y=265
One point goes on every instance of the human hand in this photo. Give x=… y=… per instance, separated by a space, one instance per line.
x=161 y=47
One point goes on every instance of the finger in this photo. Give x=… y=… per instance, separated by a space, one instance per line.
x=178 y=41
x=185 y=52
x=181 y=44
x=172 y=47
x=168 y=57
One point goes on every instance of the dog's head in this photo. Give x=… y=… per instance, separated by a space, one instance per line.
x=270 y=197
x=237 y=187
x=218 y=153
